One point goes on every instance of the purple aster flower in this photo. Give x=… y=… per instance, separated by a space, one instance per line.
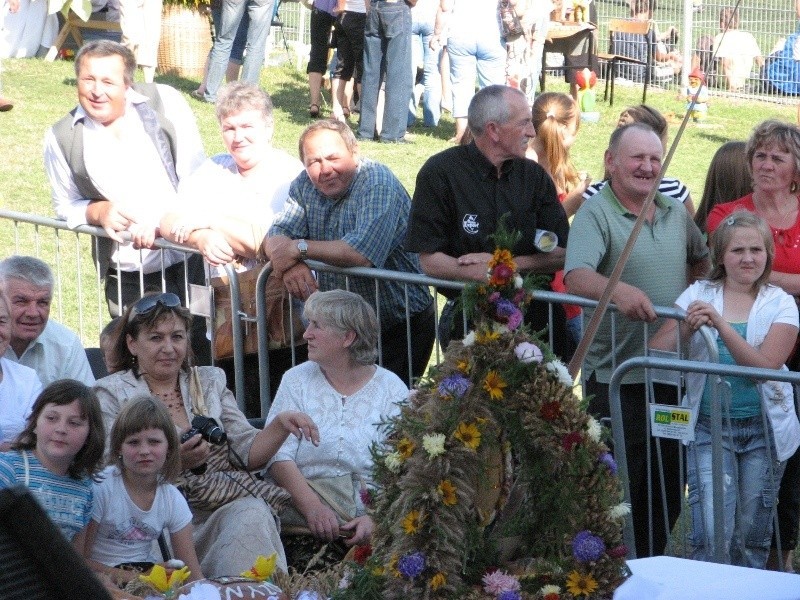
x=608 y=460
x=455 y=386
x=505 y=308
x=514 y=319
x=587 y=547
x=494 y=296
x=509 y=595
x=411 y=565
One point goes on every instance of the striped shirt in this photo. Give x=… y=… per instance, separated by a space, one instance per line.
x=669 y=186
x=67 y=501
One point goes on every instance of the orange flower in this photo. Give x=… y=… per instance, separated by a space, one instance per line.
x=448 y=493
x=502 y=256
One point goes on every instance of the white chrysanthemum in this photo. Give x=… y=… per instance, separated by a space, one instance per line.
x=620 y=510
x=593 y=429
x=434 y=444
x=393 y=462
x=550 y=589
x=560 y=370
x=517 y=281
x=469 y=339
x=344 y=582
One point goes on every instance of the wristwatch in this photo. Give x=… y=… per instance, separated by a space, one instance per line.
x=302 y=245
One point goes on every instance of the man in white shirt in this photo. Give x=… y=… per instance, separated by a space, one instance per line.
x=47 y=347
x=116 y=161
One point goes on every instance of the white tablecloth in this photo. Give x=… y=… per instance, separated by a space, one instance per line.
x=668 y=578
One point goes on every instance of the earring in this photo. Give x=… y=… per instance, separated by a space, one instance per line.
x=120 y=457
x=793 y=187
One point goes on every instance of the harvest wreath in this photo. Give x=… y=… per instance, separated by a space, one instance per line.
x=495 y=482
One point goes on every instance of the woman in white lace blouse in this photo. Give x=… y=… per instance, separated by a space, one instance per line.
x=348 y=396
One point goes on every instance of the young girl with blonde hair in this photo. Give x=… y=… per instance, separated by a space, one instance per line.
x=134 y=501
x=755 y=324
x=556 y=118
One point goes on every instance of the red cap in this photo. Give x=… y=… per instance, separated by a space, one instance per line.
x=698 y=74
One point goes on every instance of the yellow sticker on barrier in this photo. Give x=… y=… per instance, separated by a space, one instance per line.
x=671 y=422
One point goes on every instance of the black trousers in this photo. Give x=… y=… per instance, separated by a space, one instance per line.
x=394 y=344
x=634 y=417
x=174 y=281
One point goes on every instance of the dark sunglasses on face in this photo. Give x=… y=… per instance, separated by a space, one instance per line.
x=148 y=303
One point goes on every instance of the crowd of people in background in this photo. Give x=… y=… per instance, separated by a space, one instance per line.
x=157 y=440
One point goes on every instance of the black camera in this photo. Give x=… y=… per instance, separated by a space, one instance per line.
x=208 y=429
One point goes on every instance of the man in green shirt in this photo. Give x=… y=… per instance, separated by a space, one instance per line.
x=668 y=253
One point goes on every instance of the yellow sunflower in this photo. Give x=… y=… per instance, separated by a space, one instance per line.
x=463 y=366
x=405 y=448
x=448 y=492
x=411 y=522
x=468 y=434
x=579 y=584
x=438 y=581
x=494 y=384
x=484 y=336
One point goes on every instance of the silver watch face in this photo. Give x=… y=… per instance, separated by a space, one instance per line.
x=302 y=246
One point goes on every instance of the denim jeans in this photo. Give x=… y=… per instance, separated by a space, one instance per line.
x=233 y=11
x=387 y=56
x=486 y=56
x=240 y=41
x=421 y=35
x=751 y=476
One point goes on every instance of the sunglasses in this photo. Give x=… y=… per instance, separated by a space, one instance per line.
x=148 y=303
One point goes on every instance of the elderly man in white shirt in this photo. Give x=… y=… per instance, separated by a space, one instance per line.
x=116 y=161
x=47 y=347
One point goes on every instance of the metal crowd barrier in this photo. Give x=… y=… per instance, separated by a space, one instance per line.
x=686 y=366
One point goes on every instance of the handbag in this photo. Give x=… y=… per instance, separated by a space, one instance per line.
x=509 y=21
x=285 y=326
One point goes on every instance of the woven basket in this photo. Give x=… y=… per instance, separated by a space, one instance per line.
x=185 y=41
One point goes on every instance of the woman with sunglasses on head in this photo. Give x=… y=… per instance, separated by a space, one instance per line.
x=234 y=513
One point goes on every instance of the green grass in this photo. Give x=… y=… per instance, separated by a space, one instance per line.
x=46 y=91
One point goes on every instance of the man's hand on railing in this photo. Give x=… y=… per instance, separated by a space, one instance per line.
x=633 y=303
x=300 y=281
x=282 y=252
x=109 y=216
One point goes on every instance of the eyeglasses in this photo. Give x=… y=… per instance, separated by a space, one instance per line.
x=148 y=303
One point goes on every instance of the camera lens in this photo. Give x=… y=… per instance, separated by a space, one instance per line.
x=215 y=435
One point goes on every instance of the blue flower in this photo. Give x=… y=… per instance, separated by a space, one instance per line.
x=505 y=308
x=411 y=565
x=608 y=460
x=587 y=547
x=454 y=386
x=509 y=595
